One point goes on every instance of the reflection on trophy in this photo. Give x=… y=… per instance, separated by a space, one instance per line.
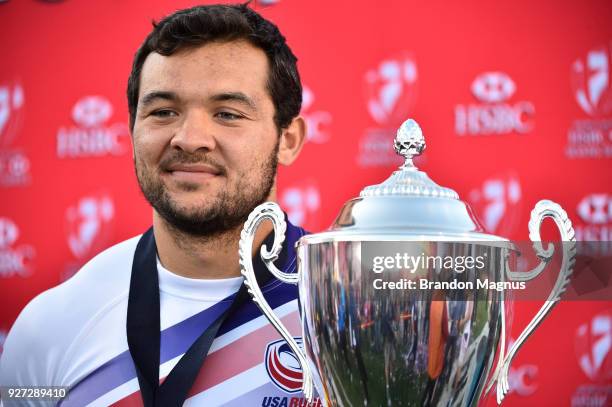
x=366 y=342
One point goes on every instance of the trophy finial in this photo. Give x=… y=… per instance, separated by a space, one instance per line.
x=407 y=180
x=409 y=141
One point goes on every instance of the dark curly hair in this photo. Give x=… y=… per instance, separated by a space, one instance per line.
x=202 y=24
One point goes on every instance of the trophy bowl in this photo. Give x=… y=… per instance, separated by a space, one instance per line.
x=403 y=300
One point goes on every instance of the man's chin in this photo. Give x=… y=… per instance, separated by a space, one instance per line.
x=200 y=224
x=185 y=187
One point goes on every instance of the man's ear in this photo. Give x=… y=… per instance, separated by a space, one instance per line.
x=291 y=141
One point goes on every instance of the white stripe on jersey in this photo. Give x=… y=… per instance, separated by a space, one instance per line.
x=226 y=391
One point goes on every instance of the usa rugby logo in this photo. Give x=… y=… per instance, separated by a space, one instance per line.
x=283 y=366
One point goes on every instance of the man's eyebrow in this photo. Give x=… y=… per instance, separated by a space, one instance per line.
x=150 y=97
x=236 y=97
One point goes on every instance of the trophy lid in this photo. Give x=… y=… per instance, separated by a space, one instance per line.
x=406 y=206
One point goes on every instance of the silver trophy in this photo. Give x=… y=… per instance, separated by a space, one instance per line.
x=365 y=342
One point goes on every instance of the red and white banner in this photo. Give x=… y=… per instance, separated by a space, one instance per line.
x=514 y=99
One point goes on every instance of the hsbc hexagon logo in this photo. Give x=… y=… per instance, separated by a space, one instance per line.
x=493 y=87
x=283 y=366
x=93 y=135
x=591 y=81
x=15 y=260
x=593 y=344
x=595 y=217
x=92 y=111
x=596 y=208
x=522 y=380
x=89 y=225
x=392 y=90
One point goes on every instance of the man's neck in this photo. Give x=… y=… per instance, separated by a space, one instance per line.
x=211 y=257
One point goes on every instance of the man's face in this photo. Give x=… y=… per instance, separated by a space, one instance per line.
x=205 y=142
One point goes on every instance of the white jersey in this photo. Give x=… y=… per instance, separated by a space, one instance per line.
x=75 y=335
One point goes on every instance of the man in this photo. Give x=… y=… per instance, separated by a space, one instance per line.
x=214 y=97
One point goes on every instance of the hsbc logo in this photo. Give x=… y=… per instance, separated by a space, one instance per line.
x=92 y=111
x=522 y=380
x=493 y=87
x=392 y=90
x=593 y=344
x=596 y=208
x=15 y=260
x=89 y=225
x=92 y=136
x=595 y=212
x=495 y=114
x=317 y=121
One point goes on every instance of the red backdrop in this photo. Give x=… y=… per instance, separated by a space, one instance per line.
x=515 y=101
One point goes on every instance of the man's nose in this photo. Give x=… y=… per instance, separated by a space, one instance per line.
x=196 y=132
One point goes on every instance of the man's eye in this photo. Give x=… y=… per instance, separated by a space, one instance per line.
x=228 y=116
x=163 y=113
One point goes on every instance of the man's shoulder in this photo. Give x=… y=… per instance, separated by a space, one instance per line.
x=103 y=277
x=51 y=321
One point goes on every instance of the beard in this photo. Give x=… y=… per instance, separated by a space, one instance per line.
x=227 y=211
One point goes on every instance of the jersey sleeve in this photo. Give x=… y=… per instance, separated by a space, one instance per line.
x=28 y=358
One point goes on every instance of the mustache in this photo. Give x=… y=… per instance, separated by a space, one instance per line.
x=182 y=157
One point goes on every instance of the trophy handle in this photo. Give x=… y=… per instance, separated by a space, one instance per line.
x=543 y=209
x=271 y=211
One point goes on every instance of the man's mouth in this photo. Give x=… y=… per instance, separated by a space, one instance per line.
x=195 y=172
